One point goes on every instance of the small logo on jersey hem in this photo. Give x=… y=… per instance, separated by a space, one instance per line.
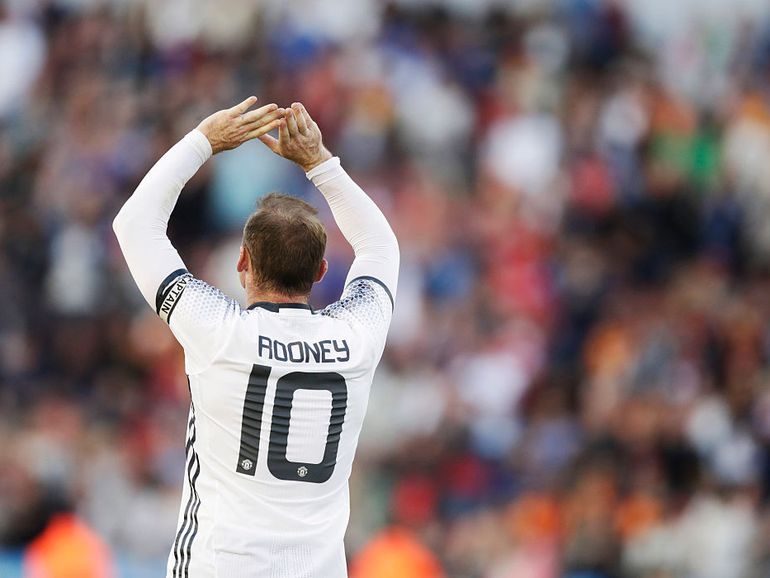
x=247 y=465
x=302 y=471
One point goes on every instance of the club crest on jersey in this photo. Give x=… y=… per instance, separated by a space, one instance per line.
x=247 y=465
x=302 y=471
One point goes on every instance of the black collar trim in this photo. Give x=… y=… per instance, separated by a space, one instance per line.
x=275 y=307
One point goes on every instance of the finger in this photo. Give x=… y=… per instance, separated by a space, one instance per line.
x=262 y=121
x=244 y=106
x=270 y=141
x=301 y=121
x=255 y=115
x=291 y=121
x=306 y=115
x=283 y=131
x=259 y=131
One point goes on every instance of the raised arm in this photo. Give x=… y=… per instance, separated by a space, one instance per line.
x=141 y=224
x=358 y=217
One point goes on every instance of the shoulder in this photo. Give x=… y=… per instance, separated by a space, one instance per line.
x=183 y=297
x=366 y=301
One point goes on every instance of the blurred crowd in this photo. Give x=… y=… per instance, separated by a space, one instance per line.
x=577 y=382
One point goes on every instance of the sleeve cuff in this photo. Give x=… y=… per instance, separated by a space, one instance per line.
x=325 y=171
x=200 y=143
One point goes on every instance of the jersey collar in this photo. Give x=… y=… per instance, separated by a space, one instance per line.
x=276 y=307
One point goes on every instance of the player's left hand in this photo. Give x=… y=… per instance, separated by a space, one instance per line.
x=299 y=139
x=230 y=128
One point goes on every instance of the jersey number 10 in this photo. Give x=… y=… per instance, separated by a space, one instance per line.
x=251 y=426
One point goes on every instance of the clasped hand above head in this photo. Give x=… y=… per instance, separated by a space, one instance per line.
x=299 y=138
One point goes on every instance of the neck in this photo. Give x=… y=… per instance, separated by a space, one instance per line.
x=254 y=295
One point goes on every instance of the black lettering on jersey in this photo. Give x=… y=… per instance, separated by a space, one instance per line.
x=299 y=355
x=342 y=347
x=277 y=345
x=324 y=351
x=285 y=389
x=265 y=346
x=313 y=349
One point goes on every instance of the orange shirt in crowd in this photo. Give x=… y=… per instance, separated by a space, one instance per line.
x=67 y=548
x=395 y=553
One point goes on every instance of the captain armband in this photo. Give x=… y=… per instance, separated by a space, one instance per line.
x=169 y=293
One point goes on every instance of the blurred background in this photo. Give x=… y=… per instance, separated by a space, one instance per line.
x=577 y=382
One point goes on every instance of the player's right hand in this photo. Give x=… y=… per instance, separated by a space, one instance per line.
x=299 y=139
x=230 y=128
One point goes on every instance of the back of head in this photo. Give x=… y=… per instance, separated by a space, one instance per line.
x=286 y=242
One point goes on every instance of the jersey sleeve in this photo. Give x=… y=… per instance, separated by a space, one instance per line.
x=140 y=225
x=362 y=224
x=200 y=316
x=367 y=303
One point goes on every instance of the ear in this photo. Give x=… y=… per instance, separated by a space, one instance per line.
x=243 y=266
x=244 y=260
x=322 y=270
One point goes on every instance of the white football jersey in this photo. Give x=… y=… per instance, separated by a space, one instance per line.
x=279 y=394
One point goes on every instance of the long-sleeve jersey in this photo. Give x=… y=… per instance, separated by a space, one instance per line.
x=279 y=391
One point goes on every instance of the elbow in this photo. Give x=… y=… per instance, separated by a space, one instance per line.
x=393 y=251
x=394 y=242
x=125 y=222
x=119 y=223
x=391 y=241
x=130 y=226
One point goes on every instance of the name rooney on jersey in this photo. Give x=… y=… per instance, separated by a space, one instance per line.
x=324 y=351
